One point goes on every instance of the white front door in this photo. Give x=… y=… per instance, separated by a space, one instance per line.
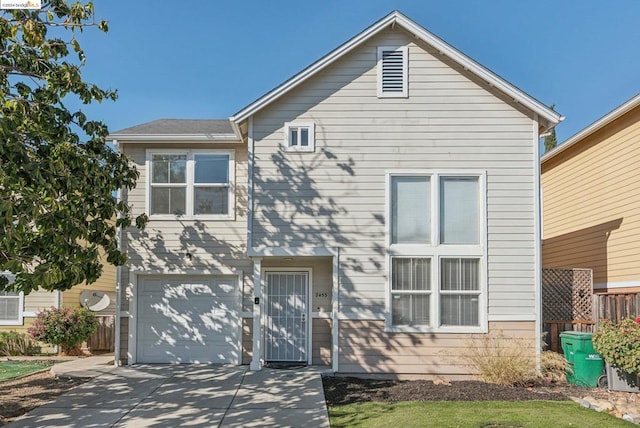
x=286 y=318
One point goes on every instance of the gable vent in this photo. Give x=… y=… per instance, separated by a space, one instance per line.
x=392 y=72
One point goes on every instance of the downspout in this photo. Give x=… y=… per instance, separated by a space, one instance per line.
x=251 y=171
x=538 y=243
x=116 y=345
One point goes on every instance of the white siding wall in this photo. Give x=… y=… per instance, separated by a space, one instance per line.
x=335 y=197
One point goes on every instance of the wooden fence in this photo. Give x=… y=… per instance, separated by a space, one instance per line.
x=567 y=303
x=103 y=339
x=616 y=306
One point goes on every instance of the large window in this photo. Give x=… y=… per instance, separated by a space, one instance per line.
x=436 y=251
x=191 y=183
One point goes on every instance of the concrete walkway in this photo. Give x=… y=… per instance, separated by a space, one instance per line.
x=188 y=395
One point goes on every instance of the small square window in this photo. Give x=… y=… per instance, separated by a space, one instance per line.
x=299 y=136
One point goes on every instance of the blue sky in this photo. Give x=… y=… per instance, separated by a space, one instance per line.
x=209 y=59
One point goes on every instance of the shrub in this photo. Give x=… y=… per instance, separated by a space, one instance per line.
x=13 y=343
x=502 y=360
x=619 y=343
x=67 y=327
x=553 y=367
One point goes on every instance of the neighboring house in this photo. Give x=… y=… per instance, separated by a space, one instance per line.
x=17 y=311
x=592 y=201
x=372 y=214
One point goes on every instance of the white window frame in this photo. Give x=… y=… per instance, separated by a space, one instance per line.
x=20 y=319
x=289 y=126
x=190 y=185
x=405 y=72
x=436 y=251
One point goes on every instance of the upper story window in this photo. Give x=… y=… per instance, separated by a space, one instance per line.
x=393 y=72
x=190 y=183
x=436 y=251
x=300 y=136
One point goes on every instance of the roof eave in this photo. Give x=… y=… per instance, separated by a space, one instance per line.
x=174 y=137
x=444 y=48
x=594 y=127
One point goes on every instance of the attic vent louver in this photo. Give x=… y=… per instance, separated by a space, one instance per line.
x=392 y=72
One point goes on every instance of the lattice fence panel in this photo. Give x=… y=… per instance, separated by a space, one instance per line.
x=567 y=294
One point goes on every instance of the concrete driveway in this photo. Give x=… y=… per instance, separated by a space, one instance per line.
x=191 y=395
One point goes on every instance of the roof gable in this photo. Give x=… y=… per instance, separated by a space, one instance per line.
x=396 y=18
x=593 y=128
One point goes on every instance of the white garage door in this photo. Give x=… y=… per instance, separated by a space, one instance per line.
x=188 y=319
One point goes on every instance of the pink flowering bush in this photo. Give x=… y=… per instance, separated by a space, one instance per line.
x=619 y=343
x=67 y=327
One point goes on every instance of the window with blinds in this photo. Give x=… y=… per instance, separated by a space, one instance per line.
x=9 y=307
x=393 y=72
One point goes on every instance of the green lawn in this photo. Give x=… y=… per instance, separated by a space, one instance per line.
x=476 y=414
x=9 y=369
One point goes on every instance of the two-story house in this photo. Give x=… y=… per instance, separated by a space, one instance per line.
x=372 y=213
x=592 y=203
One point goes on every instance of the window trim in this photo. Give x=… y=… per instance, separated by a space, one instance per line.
x=190 y=184
x=437 y=251
x=20 y=320
x=405 y=72
x=298 y=125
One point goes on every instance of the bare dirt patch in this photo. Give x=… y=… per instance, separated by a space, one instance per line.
x=346 y=390
x=22 y=395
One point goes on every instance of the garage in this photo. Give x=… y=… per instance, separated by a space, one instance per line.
x=188 y=319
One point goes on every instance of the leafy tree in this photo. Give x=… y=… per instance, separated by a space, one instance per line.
x=57 y=174
x=550 y=141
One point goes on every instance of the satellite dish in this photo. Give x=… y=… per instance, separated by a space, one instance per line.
x=94 y=300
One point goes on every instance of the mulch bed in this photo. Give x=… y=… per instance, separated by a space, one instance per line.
x=18 y=396
x=347 y=390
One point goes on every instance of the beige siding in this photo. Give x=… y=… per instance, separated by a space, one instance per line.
x=335 y=197
x=365 y=348
x=592 y=204
x=321 y=348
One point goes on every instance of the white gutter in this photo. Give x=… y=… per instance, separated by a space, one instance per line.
x=116 y=345
x=594 y=127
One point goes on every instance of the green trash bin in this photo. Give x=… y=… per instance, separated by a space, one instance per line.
x=585 y=363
